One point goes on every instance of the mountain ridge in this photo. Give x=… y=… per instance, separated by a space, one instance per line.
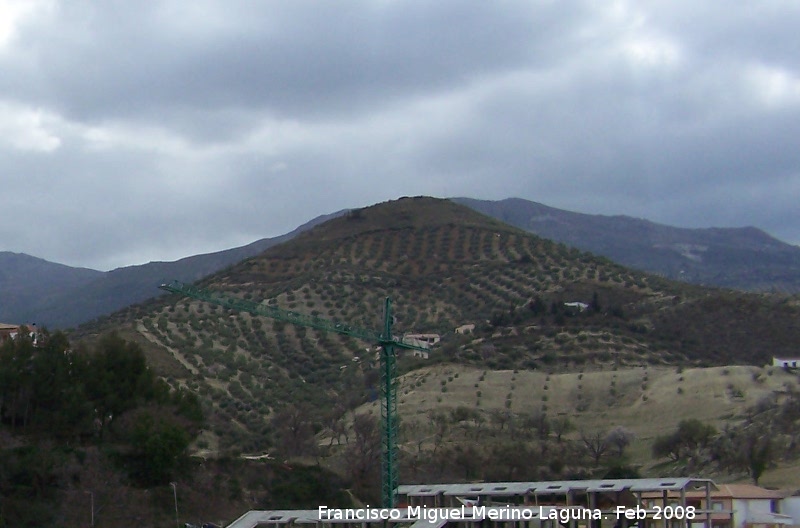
x=745 y=258
x=59 y=296
x=25 y=278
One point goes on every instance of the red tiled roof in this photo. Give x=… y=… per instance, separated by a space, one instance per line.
x=748 y=491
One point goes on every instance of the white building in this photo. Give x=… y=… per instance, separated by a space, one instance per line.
x=789 y=363
x=744 y=506
x=421 y=340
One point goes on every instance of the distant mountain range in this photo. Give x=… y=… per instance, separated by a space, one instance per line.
x=33 y=290
x=740 y=258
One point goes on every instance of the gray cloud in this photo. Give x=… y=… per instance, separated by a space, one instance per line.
x=153 y=131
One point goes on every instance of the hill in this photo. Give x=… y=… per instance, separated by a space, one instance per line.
x=59 y=296
x=742 y=258
x=445 y=266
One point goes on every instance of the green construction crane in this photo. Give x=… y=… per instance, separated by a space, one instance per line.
x=388 y=363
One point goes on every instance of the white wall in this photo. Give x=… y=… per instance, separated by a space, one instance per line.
x=743 y=508
x=791 y=506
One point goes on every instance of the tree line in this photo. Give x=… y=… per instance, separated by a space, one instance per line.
x=106 y=394
x=767 y=435
x=458 y=443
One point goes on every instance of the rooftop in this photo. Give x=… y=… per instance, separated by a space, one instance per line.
x=557 y=487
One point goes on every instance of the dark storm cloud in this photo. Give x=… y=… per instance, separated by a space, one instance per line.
x=159 y=129
x=98 y=61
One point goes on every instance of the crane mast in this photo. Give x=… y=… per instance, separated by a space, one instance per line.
x=388 y=364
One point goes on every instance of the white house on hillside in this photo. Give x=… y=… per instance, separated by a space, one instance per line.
x=788 y=363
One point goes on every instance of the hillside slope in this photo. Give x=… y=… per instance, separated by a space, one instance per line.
x=445 y=266
x=647 y=401
x=742 y=258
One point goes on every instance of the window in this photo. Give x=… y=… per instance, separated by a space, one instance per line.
x=717 y=505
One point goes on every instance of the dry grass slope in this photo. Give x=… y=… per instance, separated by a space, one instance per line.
x=648 y=401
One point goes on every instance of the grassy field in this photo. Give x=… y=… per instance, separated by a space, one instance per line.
x=649 y=401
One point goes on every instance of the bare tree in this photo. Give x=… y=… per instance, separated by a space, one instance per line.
x=507 y=460
x=596 y=445
x=364 y=454
x=336 y=424
x=413 y=433
x=294 y=430
x=440 y=424
x=466 y=459
x=619 y=438
x=465 y=419
x=501 y=418
x=562 y=425
x=750 y=450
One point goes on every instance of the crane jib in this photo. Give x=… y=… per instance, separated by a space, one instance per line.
x=235 y=303
x=388 y=367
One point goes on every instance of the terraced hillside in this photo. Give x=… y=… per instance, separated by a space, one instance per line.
x=535 y=305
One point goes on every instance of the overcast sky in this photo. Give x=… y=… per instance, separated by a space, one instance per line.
x=154 y=130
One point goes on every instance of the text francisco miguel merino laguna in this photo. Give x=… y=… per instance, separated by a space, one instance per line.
x=497 y=513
